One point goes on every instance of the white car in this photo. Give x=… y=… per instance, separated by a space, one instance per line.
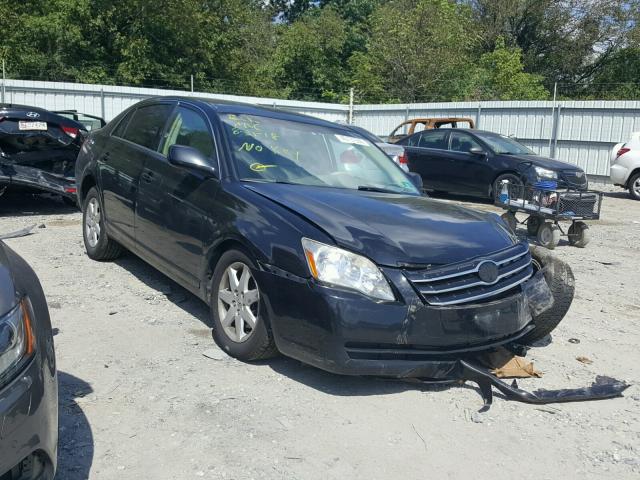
x=625 y=165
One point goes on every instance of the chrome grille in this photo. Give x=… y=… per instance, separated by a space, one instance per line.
x=462 y=283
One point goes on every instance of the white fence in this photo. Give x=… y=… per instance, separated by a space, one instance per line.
x=579 y=132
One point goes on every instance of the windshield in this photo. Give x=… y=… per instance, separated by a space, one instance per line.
x=504 y=145
x=272 y=150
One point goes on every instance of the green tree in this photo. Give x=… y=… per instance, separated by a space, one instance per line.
x=566 y=41
x=309 y=59
x=501 y=76
x=420 y=50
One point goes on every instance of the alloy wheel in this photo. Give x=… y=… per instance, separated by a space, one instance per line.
x=92 y=222
x=238 y=302
x=636 y=187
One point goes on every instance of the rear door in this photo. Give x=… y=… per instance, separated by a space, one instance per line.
x=174 y=201
x=467 y=173
x=120 y=166
x=427 y=153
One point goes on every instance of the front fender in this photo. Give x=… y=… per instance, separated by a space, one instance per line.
x=268 y=231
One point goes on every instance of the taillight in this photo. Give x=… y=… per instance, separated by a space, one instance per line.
x=71 y=131
x=2 y=118
x=622 y=151
x=403 y=159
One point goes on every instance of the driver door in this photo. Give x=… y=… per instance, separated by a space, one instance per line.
x=176 y=201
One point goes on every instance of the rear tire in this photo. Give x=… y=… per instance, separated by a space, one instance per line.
x=235 y=303
x=561 y=282
x=96 y=241
x=634 y=186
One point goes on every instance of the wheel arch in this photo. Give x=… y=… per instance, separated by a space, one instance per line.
x=634 y=172
x=216 y=251
x=88 y=182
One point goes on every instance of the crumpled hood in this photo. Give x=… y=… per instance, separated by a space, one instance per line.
x=393 y=229
x=7 y=288
x=545 y=162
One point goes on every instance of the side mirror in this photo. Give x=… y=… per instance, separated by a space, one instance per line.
x=477 y=151
x=416 y=179
x=191 y=158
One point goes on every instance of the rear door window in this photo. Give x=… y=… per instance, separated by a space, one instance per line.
x=147 y=124
x=434 y=139
x=190 y=129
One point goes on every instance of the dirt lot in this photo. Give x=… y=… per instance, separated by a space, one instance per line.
x=140 y=400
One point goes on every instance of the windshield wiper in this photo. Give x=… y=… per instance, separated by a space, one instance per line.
x=368 y=188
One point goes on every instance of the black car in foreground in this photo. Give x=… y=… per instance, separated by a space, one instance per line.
x=28 y=379
x=38 y=150
x=475 y=162
x=305 y=238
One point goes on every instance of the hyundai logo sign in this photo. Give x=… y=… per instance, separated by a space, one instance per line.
x=33 y=114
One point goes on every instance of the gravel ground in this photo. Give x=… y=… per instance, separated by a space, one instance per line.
x=139 y=399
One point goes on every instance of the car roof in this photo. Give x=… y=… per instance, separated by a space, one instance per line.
x=472 y=131
x=229 y=106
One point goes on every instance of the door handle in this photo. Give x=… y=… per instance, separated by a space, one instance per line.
x=147 y=176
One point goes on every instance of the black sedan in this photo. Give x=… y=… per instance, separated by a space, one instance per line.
x=38 y=150
x=305 y=238
x=28 y=379
x=476 y=162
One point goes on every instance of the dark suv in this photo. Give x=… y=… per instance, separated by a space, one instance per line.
x=475 y=162
x=305 y=238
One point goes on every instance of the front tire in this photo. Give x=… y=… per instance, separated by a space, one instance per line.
x=513 y=180
x=96 y=241
x=561 y=282
x=240 y=326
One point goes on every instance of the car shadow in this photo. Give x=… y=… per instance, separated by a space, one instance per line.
x=361 y=386
x=165 y=286
x=30 y=204
x=75 y=442
x=624 y=194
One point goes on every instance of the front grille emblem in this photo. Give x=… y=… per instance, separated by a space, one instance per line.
x=488 y=271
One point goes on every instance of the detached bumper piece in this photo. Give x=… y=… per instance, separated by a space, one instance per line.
x=603 y=388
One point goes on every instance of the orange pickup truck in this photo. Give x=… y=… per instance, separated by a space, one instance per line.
x=418 y=124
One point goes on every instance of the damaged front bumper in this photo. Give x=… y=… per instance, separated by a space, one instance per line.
x=346 y=333
x=31 y=178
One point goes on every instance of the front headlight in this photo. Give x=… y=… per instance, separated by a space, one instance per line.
x=545 y=173
x=16 y=339
x=339 y=267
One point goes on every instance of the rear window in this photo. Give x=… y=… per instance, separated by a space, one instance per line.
x=146 y=125
x=433 y=139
